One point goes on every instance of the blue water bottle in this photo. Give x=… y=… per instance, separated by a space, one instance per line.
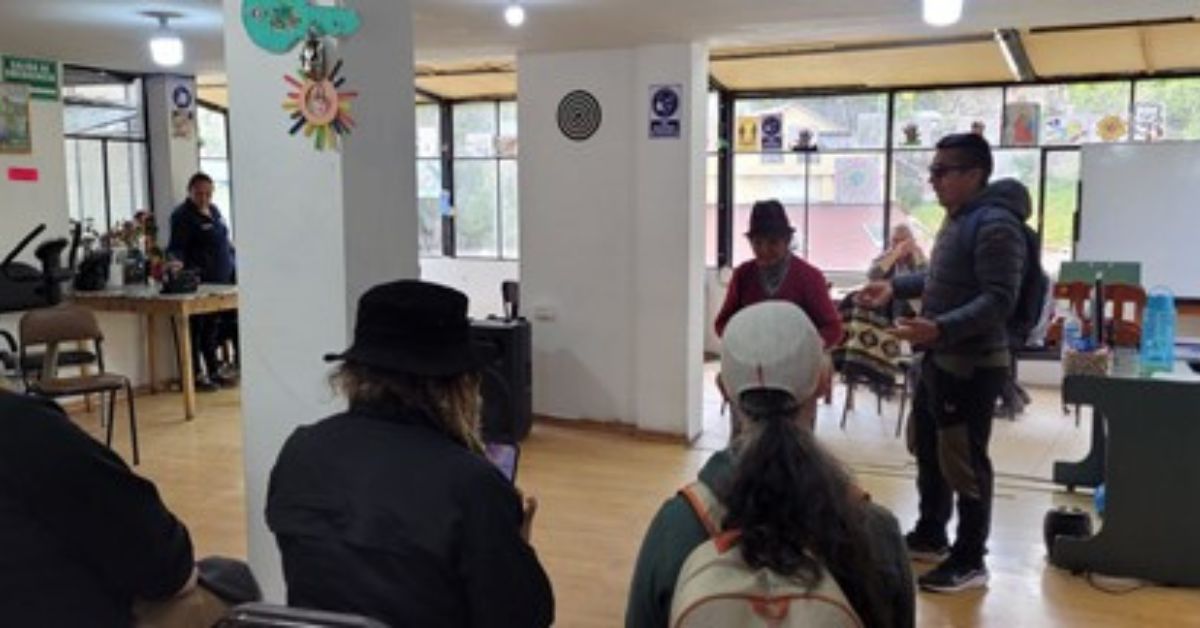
x=1158 y=332
x=1072 y=333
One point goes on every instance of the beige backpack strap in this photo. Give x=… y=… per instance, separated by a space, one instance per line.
x=704 y=503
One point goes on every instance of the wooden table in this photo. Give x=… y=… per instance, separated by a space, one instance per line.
x=148 y=302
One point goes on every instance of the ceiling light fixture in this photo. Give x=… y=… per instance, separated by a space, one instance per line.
x=166 y=48
x=514 y=15
x=942 y=12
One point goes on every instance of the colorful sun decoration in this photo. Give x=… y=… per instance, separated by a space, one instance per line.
x=320 y=107
x=1112 y=128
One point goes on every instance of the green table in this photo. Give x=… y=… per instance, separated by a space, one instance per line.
x=1152 y=477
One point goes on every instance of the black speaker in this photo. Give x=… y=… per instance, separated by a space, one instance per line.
x=506 y=384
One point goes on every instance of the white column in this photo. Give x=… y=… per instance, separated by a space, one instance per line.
x=175 y=157
x=612 y=237
x=314 y=231
x=668 y=233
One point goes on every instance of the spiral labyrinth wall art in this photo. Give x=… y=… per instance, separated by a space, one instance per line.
x=579 y=115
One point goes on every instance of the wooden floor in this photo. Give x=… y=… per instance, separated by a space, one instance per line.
x=599 y=490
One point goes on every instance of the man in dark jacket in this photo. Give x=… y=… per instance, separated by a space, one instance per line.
x=390 y=509
x=81 y=536
x=200 y=243
x=968 y=295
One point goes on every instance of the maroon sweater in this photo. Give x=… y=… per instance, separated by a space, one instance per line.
x=804 y=285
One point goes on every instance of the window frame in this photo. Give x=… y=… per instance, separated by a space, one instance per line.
x=727 y=158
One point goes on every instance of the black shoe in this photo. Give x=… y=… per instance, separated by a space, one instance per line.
x=204 y=384
x=224 y=381
x=923 y=550
x=954 y=575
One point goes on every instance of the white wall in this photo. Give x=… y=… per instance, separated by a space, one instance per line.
x=25 y=205
x=611 y=262
x=315 y=229
x=479 y=279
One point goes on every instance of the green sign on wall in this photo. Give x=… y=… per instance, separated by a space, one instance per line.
x=40 y=75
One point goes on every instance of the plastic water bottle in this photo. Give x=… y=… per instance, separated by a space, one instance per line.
x=1072 y=333
x=1158 y=331
x=1101 y=499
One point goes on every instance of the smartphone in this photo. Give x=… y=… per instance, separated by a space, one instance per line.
x=504 y=456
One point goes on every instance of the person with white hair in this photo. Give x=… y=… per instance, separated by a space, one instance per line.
x=794 y=506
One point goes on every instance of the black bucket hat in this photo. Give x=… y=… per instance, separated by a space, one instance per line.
x=412 y=327
x=768 y=218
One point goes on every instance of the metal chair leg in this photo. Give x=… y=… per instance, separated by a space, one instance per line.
x=903 y=407
x=132 y=422
x=846 y=407
x=112 y=409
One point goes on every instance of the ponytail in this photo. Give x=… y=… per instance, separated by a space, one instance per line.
x=791 y=501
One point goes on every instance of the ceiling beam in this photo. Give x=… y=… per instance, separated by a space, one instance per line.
x=429 y=72
x=804 y=51
x=1039 y=30
x=1147 y=49
x=424 y=93
x=1012 y=48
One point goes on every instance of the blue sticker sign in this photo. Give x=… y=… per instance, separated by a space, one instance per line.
x=182 y=97
x=666 y=104
x=772 y=132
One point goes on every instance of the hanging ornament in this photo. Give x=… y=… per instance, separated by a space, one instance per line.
x=278 y=25
x=318 y=105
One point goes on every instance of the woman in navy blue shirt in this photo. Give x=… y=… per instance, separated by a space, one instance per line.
x=200 y=242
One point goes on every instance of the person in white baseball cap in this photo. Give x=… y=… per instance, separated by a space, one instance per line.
x=795 y=505
x=773 y=346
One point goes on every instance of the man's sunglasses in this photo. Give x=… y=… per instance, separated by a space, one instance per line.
x=939 y=171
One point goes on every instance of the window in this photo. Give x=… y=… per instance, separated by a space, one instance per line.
x=429 y=179
x=213 y=130
x=105 y=147
x=835 y=195
x=1167 y=109
x=1079 y=113
x=924 y=117
x=485 y=180
x=1062 y=202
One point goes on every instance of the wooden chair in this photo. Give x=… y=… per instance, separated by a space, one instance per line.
x=68 y=323
x=1124 y=305
x=1076 y=294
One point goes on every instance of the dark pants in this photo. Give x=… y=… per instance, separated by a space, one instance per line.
x=953 y=423
x=206 y=334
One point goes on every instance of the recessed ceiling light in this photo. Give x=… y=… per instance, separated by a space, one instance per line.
x=942 y=12
x=514 y=15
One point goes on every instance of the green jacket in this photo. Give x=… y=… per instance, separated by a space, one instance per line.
x=676 y=531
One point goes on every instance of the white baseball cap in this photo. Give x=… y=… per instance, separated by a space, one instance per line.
x=771 y=345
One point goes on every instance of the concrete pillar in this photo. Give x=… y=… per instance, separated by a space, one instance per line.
x=315 y=229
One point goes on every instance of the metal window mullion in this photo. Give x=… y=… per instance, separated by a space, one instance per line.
x=888 y=168
x=725 y=177
x=107 y=186
x=446 y=130
x=499 y=217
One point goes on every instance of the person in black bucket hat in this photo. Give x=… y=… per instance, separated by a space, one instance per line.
x=776 y=274
x=390 y=509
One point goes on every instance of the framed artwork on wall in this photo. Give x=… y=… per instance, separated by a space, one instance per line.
x=15 y=135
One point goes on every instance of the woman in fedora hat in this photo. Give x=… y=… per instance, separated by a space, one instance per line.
x=390 y=509
x=776 y=274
